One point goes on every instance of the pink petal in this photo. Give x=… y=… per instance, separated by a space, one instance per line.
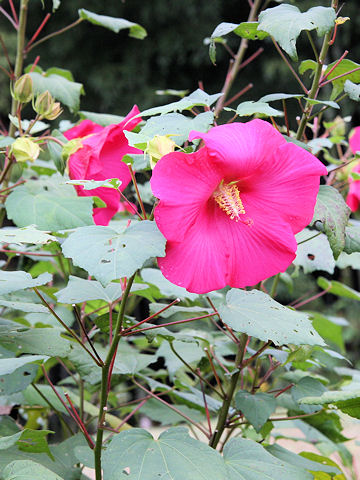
x=353 y=197
x=354 y=140
x=84 y=128
x=218 y=251
x=183 y=183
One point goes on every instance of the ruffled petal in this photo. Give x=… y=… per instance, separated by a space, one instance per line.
x=218 y=251
x=183 y=183
x=129 y=123
x=84 y=128
x=354 y=140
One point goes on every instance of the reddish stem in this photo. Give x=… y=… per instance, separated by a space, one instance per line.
x=36 y=34
x=239 y=94
x=334 y=66
x=339 y=76
x=214 y=371
x=80 y=422
x=308 y=300
x=252 y=57
x=137 y=190
x=34 y=64
x=13 y=11
x=9 y=17
x=177 y=300
x=284 y=390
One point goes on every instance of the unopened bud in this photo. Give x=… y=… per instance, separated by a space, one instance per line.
x=46 y=106
x=24 y=149
x=23 y=89
x=159 y=146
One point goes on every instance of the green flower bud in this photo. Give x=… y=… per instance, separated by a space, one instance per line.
x=23 y=89
x=55 y=112
x=44 y=104
x=159 y=146
x=24 y=149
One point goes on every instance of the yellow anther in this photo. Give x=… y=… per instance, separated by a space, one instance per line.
x=227 y=196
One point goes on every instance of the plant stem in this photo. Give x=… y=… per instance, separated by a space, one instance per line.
x=220 y=426
x=54 y=34
x=105 y=378
x=230 y=77
x=19 y=57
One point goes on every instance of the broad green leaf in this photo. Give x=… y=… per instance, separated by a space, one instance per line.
x=286 y=22
x=348 y=401
x=18 y=380
x=247 y=460
x=352 y=239
x=34 y=441
x=27 y=234
x=79 y=290
x=92 y=184
x=331 y=216
x=191 y=352
x=306 y=387
x=352 y=90
x=330 y=328
x=13 y=281
x=343 y=67
x=49 y=204
x=103 y=119
x=280 y=96
x=65 y=91
x=256 y=408
x=28 y=470
x=6 y=141
x=44 y=341
x=187 y=312
x=8 y=441
x=318 y=144
x=348 y=260
x=313 y=462
x=197 y=98
x=258 y=315
x=136 y=455
x=39 y=126
x=159 y=412
x=328 y=423
x=327 y=103
x=56 y=151
x=338 y=288
x=114 y=24
x=10 y=365
x=109 y=254
x=314 y=252
x=168 y=289
x=245 y=109
x=247 y=30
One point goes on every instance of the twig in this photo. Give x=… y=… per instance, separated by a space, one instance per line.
x=177 y=300
x=137 y=190
x=54 y=34
x=9 y=17
x=296 y=76
x=82 y=327
x=205 y=404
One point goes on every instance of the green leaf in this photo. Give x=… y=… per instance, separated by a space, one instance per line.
x=342 y=68
x=352 y=90
x=191 y=352
x=49 y=204
x=13 y=281
x=286 y=22
x=280 y=96
x=348 y=401
x=306 y=387
x=246 y=109
x=314 y=252
x=114 y=24
x=56 y=151
x=330 y=328
x=168 y=289
x=62 y=89
x=328 y=103
x=328 y=423
x=28 y=470
x=79 y=290
x=256 y=408
x=46 y=341
x=158 y=412
x=338 y=288
x=27 y=234
x=311 y=462
x=258 y=315
x=247 y=460
x=103 y=119
x=247 y=30
x=10 y=365
x=352 y=239
x=109 y=254
x=332 y=213
x=135 y=455
x=349 y=260
x=18 y=380
x=34 y=441
x=197 y=98
x=92 y=184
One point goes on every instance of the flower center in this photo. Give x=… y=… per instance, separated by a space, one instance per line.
x=227 y=196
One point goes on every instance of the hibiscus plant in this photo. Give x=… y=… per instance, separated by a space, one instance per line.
x=175 y=284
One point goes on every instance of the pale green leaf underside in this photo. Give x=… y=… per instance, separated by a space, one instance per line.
x=28 y=470
x=13 y=281
x=113 y=23
x=27 y=234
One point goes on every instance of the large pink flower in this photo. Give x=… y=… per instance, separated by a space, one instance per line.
x=353 y=198
x=230 y=210
x=99 y=158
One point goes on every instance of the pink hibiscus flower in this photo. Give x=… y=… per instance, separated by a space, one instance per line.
x=353 y=197
x=99 y=158
x=229 y=211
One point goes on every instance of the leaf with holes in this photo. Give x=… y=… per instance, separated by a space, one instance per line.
x=331 y=216
x=28 y=234
x=109 y=254
x=314 y=252
x=286 y=22
x=258 y=315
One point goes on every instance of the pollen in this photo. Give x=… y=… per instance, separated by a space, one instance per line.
x=227 y=196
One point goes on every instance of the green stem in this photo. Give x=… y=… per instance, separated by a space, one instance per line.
x=274 y=285
x=237 y=62
x=19 y=57
x=221 y=423
x=105 y=376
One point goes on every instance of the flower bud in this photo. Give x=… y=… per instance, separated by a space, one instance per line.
x=23 y=89
x=46 y=106
x=24 y=149
x=159 y=146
